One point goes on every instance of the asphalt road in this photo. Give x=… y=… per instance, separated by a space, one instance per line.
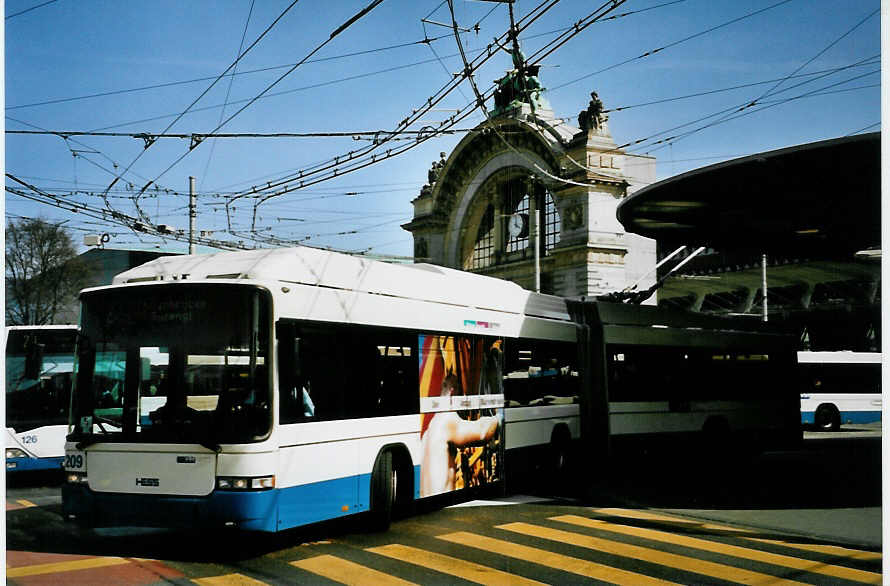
x=829 y=489
x=811 y=516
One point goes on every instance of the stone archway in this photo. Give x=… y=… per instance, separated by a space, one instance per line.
x=588 y=252
x=483 y=187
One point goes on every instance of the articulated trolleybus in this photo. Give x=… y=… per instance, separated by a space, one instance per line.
x=39 y=362
x=274 y=388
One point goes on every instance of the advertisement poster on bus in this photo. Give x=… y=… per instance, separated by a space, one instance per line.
x=462 y=412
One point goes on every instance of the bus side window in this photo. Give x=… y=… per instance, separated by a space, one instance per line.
x=396 y=377
x=345 y=372
x=382 y=373
x=540 y=373
x=290 y=397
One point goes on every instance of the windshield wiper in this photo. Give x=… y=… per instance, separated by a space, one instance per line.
x=94 y=438
x=100 y=420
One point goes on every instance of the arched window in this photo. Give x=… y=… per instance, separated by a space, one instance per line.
x=518 y=223
x=552 y=223
x=517 y=232
x=504 y=231
x=483 y=249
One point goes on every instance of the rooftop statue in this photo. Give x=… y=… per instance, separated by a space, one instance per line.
x=520 y=86
x=433 y=175
x=593 y=117
x=436 y=169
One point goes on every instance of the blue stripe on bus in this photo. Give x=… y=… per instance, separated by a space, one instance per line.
x=808 y=417
x=860 y=416
x=27 y=464
x=320 y=501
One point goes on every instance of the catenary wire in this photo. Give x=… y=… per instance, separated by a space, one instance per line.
x=195 y=101
x=333 y=35
x=26 y=10
x=669 y=45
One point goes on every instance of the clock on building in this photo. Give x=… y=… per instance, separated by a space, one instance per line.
x=517 y=225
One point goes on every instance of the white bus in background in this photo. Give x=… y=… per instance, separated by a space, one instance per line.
x=274 y=388
x=839 y=388
x=37 y=401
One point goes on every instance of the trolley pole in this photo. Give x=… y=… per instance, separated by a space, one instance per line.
x=535 y=234
x=765 y=314
x=193 y=214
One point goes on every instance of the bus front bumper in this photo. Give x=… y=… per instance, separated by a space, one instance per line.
x=248 y=510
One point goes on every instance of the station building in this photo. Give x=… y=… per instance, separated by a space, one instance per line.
x=531 y=198
x=559 y=208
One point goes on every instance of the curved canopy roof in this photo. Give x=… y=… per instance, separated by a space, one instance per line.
x=824 y=195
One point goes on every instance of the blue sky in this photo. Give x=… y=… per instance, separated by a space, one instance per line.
x=63 y=50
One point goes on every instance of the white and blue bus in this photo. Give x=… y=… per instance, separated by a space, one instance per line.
x=275 y=388
x=839 y=388
x=39 y=363
x=270 y=389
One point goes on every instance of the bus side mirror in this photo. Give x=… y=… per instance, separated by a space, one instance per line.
x=33 y=360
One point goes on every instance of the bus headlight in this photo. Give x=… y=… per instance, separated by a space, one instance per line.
x=245 y=483
x=15 y=453
x=76 y=478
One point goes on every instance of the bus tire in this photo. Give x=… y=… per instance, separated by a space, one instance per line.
x=383 y=492
x=560 y=458
x=403 y=489
x=827 y=418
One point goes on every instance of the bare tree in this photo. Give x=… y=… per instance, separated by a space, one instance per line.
x=43 y=271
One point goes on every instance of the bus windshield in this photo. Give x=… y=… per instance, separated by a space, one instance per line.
x=33 y=403
x=173 y=364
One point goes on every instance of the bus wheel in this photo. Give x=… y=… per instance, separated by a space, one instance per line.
x=559 y=457
x=383 y=492
x=827 y=418
x=559 y=460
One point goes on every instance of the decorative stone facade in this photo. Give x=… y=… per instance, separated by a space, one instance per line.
x=525 y=173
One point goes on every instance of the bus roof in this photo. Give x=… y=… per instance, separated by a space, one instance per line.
x=322 y=268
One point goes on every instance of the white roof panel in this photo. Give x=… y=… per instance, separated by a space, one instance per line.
x=314 y=267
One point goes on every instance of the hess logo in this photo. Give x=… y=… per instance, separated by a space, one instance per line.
x=148 y=482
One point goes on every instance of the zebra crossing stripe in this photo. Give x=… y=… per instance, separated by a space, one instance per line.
x=845 y=552
x=347 y=572
x=649 y=516
x=726 y=549
x=229 y=580
x=56 y=567
x=552 y=560
x=450 y=565
x=654 y=556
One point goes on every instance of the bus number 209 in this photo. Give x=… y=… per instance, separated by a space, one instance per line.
x=74 y=461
